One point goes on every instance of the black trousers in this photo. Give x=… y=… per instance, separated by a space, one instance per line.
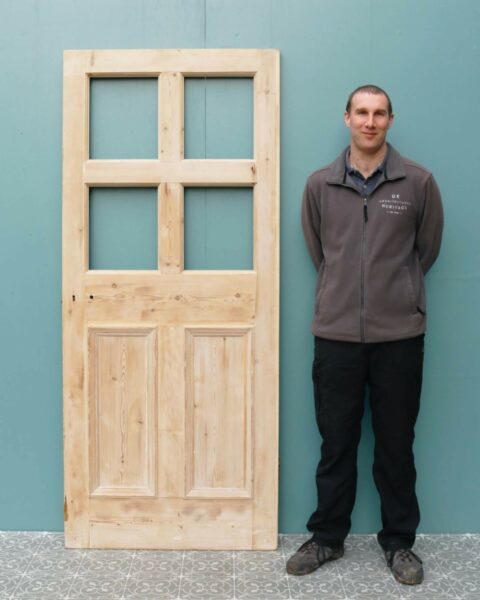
x=341 y=373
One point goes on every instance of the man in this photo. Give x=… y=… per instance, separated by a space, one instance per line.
x=373 y=223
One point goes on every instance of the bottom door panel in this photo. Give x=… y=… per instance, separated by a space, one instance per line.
x=122 y=397
x=218 y=412
x=171 y=524
x=170 y=436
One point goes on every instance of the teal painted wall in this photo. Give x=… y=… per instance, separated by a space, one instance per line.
x=426 y=53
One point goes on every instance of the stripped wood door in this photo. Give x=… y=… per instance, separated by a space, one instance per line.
x=170 y=375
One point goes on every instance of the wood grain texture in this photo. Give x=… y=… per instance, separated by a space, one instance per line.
x=171 y=410
x=192 y=172
x=219 y=412
x=170 y=149
x=193 y=296
x=74 y=260
x=170 y=113
x=123 y=429
x=143 y=63
x=171 y=238
x=197 y=524
x=266 y=263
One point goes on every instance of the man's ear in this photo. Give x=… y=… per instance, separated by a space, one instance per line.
x=346 y=119
x=390 y=120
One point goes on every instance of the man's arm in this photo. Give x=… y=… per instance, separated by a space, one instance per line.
x=430 y=226
x=311 y=226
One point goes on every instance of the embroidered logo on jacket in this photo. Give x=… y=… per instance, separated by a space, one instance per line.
x=394 y=205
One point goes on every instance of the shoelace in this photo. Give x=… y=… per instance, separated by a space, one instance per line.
x=307 y=546
x=407 y=555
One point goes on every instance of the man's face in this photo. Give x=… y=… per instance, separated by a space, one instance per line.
x=368 y=121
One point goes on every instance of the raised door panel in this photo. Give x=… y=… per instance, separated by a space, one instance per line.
x=122 y=382
x=219 y=412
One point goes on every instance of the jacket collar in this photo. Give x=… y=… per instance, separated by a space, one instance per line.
x=394 y=167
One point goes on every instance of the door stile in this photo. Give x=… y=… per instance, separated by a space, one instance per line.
x=266 y=264
x=75 y=261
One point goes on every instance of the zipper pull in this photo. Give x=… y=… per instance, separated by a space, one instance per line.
x=365 y=210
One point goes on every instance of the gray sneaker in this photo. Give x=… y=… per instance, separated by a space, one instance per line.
x=405 y=565
x=310 y=556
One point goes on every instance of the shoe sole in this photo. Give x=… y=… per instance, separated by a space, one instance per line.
x=299 y=574
x=405 y=582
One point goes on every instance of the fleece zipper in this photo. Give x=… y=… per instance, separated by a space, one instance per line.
x=362 y=273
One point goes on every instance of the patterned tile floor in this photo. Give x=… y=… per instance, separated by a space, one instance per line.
x=36 y=566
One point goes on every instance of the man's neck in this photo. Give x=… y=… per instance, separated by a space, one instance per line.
x=366 y=163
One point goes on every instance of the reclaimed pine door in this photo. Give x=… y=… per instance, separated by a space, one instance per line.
x=170 y=375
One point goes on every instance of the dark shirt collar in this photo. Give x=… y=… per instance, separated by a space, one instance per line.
x=394 y=167
x=355 y=173
x=364 y=185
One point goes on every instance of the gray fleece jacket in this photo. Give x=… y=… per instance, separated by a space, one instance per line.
x=372 y=253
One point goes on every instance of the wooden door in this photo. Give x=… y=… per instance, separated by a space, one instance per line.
x=170 y=375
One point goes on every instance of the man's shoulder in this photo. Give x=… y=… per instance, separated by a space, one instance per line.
x=408 y=162
x=320 y=174
x=416 y=168
x=411 y=167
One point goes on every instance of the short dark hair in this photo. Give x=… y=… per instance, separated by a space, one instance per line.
x=370 y=89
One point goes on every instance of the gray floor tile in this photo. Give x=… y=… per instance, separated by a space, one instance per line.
x=466 y=585
x=438 y=590
x=198 y=563
x=159 y=554
x=41 y=585
x=106 y=562
x=8 y=583
x=20 y=541
x=211 y=587
x=55 y=563
x=308 y=587
x=157 y=564
x=262 y=587
x=456 y=554
x=97 y=585
x=457 y=564
x=55 y=541
x=146 y=588
x=37 y=566
x=370 y=587
x=432 y=570
x=259 y=563
x=435 y=545
x=368 y=565
x=474 y=541
x=14 y=562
